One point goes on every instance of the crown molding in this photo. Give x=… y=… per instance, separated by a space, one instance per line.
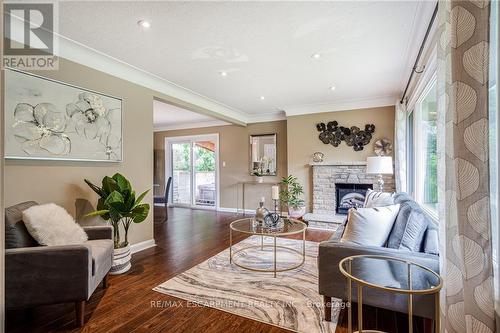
x=341 y=105
x=265 y=117
x=200 y=124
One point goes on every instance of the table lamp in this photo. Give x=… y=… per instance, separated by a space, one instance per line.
x=379 y=165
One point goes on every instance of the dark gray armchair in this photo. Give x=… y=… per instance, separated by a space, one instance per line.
x=37 y=275
x=333 y=284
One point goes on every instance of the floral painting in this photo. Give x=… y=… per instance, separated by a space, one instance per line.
x=47 y=119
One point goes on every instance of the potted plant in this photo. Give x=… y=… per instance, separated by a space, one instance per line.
x=258 y=175
x=291 y=195
x=118 y=204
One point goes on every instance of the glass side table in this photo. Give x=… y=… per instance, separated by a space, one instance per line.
x=415 y=280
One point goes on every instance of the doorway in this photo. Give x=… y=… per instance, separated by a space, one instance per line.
x=193 y=164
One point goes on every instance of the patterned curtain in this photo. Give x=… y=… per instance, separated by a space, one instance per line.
x=400 y=147
x=466 y=254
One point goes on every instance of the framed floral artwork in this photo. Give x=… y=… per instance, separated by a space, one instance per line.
x=52 y=120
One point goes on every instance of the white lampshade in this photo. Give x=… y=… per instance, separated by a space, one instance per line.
x=379 y=165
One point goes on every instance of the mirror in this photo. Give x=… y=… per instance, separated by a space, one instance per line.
x=263 y=155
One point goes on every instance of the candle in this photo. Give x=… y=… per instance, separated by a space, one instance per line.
x=275 y=192
x=263 y=199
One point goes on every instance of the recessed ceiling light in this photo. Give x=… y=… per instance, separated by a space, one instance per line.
x=316 y=56
x=332 y=88
x=144 y=24
x=222 y=73
x=262 y=98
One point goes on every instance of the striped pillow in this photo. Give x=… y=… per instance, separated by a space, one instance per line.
x=378 y=199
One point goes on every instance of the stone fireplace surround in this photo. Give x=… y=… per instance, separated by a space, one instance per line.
x=324 y=177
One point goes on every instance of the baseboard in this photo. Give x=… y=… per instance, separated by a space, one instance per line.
x=247 y=211
x=137 y=247
x=234 y=210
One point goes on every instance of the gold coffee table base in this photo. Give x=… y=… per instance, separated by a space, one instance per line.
x=275 y=247
x=247 y=226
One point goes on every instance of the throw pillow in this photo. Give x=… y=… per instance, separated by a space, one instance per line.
x=400 y=197
x=370 y=226
x=431 y=239
x=16 y=234
x=378 y=199
x=409 y=228
x=414 y=231
x=50 y=224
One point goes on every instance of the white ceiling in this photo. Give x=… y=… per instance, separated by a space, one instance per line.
x=367 y=49
x=171 y=117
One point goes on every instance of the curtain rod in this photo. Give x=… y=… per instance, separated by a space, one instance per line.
x=414 y=69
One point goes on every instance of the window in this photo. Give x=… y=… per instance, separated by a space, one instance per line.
x=422 y=152
x=410 y=170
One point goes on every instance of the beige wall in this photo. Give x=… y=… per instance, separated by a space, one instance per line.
x=303 y=139
x=62 y=182
x=235 y=151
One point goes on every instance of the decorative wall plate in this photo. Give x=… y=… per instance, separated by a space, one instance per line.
x=382 y=147
x=318 y=157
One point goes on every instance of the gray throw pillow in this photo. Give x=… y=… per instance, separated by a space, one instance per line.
x=414 y=231
x=398 y=230
x=16 y=234
x=431 y=239
x=400 y=197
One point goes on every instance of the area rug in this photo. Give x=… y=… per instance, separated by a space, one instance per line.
x=290 y=300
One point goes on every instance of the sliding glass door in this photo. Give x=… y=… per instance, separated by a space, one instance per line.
x=192 y=164
x=181 y=173
x=204 y=173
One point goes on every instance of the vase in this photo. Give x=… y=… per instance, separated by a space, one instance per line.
x=296 y=212
x=121 y=260
x=259 y=179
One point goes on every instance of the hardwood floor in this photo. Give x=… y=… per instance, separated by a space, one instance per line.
x=130 y=305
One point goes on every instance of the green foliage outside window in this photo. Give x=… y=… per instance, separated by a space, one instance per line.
x=204 y=158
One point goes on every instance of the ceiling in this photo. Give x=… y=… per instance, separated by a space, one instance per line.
x=170 y=117
x=366 y=49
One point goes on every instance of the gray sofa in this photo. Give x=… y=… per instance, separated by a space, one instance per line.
x=37 y=275
x=421 y=247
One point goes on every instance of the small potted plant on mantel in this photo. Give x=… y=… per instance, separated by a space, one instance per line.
x=258 y=175
x=119 y=205
x=291 y=195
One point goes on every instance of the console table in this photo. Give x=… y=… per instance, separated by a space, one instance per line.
x=244 y=184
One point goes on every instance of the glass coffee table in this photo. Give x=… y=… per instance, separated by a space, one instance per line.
x=411 y=279
x=248 y=226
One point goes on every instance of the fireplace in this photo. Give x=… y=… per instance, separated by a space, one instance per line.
x=350 y=196
x=326 y=176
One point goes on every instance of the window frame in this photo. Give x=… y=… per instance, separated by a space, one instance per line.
x=416 y=154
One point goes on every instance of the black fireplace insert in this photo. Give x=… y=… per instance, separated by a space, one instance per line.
x=350 y=196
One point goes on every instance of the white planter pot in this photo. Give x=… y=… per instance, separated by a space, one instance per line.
x=296 y=213
x=121 y=260
x=259 y=179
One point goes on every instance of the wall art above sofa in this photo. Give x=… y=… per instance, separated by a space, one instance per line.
x=48 y=119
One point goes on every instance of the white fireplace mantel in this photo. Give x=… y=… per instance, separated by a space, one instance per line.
x=328 y=163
